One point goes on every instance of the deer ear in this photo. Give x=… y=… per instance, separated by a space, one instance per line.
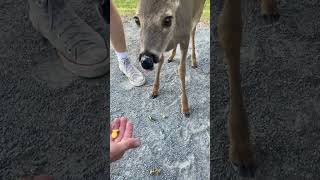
x=177 y=3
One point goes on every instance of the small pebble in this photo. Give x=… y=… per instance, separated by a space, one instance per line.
x=164 y=116
x=151 y=118
x=155 y=172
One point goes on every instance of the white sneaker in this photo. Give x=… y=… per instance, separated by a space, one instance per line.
x=135 y=77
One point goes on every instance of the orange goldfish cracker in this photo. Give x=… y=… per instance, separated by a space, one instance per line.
x=114 y=133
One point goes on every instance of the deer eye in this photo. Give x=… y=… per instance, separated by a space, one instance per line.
x=136 y=20
x=167 y=21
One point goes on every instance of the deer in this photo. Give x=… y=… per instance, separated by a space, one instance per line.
x=165 y=24
x=230 y=25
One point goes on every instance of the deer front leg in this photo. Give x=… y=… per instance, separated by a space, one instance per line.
x=182 y=74
x=173 y=54
x=193 y=57
x=230 y=31
x=156 y=83
x=269 y=10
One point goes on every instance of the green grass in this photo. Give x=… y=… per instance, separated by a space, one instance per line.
x=128 y=8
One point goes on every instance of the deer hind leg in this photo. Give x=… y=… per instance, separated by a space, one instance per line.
x=269 y=10
x=173 y=54
x=156 y=83
x=230 y=31
x=182 y=74
x=193 y=57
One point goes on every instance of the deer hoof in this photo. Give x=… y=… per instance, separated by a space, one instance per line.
x=153 y=96
x=243 y=170
x=194 y=66
x=170 y=60
x=186 y=114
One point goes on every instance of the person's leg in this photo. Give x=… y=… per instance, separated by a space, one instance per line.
x=117 y=38
x=82 y=50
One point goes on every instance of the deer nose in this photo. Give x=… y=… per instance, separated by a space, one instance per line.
x=147 y=62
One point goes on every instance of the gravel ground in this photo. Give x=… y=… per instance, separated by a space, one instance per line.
x=280 y=69
x=54 y=123
x=178 y=146
x=51 y=122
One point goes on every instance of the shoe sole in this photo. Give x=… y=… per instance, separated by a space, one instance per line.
x=133 y=84
x=81 y=70
x=86 y=71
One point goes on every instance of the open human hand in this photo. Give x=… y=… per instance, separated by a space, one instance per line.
x=124 y=141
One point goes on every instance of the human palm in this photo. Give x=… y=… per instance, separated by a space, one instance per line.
x=124 y=141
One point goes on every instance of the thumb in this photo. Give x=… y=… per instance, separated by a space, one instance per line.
x=130 y=143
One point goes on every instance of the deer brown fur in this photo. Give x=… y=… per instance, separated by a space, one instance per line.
x=155 y=39
x=230 y=32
